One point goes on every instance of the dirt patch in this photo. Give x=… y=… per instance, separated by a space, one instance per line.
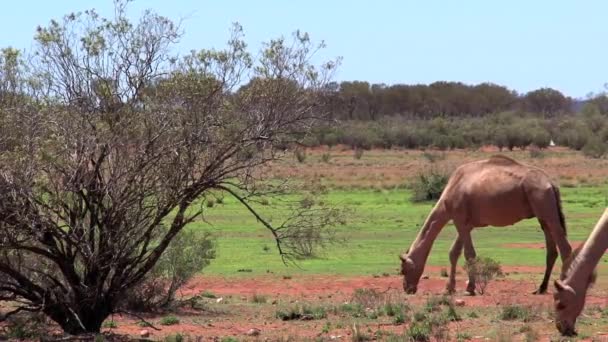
x=240 y=313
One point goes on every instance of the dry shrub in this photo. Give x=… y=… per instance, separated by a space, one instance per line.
x=188 y=254
x=483 y=270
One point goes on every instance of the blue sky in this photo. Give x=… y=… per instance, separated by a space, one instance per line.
x=521 y=44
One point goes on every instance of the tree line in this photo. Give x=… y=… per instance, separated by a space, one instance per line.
x=360 y=100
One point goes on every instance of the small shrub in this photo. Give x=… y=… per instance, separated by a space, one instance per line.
x=515 y=312
x=595 y=148
x=229 y=339
x=300 y=155
x=169 y=320
x=110 y=324
x=259 y=299
x=208 y=294
x=452 y=315
x=175 y=338
x=358 y=335
x=326 y=328
x=392 y=309
x=444 y=273
x=473 y=314
x=209 y=202
x=420 y=316
x=358 y=153
x=186 y=255
x=536 y=153
x=264 y=201
x=463 y=336
x=434 y=303
x=325 y=157
x=530 y=335
x=244 y=270
x=483 y=270
x=23 y=327
x=419 y=332
x=307 y=202
x=301 y=313
x=429 y=185
x=353 y=309
x=368 y=298
x=433 y=157
x=315 y=312
x=399 y=317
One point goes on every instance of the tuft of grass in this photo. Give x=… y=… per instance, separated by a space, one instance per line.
x=434 y=303
x=110 y=324
x=516 y=312
x=326 y=157
x=300 y=155
x=463 y=336
x=357 y=335
x=301 y=313
x=473 y=314
x=229 y=339
x=452 y=315
x=353 y=309
x=259 y=299
x=419 y=332
x=444 y=273
x=208 y=294
x=358 y=153
x=530 y=335
x=169 y=320
x=175 y=338
x=326 y=328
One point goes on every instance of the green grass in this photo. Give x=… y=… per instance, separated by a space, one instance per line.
x=382 y=225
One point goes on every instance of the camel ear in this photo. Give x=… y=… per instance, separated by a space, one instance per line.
x=561 y=287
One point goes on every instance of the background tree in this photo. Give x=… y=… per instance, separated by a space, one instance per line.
x=120 y=142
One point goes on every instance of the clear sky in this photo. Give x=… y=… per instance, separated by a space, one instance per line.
x=521 y=44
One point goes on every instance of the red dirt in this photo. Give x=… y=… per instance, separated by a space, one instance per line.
x=331 y=289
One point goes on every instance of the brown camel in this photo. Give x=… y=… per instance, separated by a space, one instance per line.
x=578 y=274
x=493 y=192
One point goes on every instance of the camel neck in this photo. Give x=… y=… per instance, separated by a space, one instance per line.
x=587 y=259
x=428 y=233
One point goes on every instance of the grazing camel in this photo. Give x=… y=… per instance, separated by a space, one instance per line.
x=578 y=274
x=493 y=192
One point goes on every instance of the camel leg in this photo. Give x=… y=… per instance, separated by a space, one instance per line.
x=551 y=257
x=455 y=252
x=470 y=255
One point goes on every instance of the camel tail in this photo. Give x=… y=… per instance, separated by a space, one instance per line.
x=560 y=211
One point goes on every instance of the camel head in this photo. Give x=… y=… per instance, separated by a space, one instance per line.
x=411 y=275
x=568 y=306
x=569 y=303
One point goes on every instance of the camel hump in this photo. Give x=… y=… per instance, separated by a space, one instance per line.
x=502 y=160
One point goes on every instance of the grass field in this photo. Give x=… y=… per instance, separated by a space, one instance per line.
x=381 y=225
x=382 y=222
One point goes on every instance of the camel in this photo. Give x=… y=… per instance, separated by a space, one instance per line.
x=578 y=274
x=492 y=192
